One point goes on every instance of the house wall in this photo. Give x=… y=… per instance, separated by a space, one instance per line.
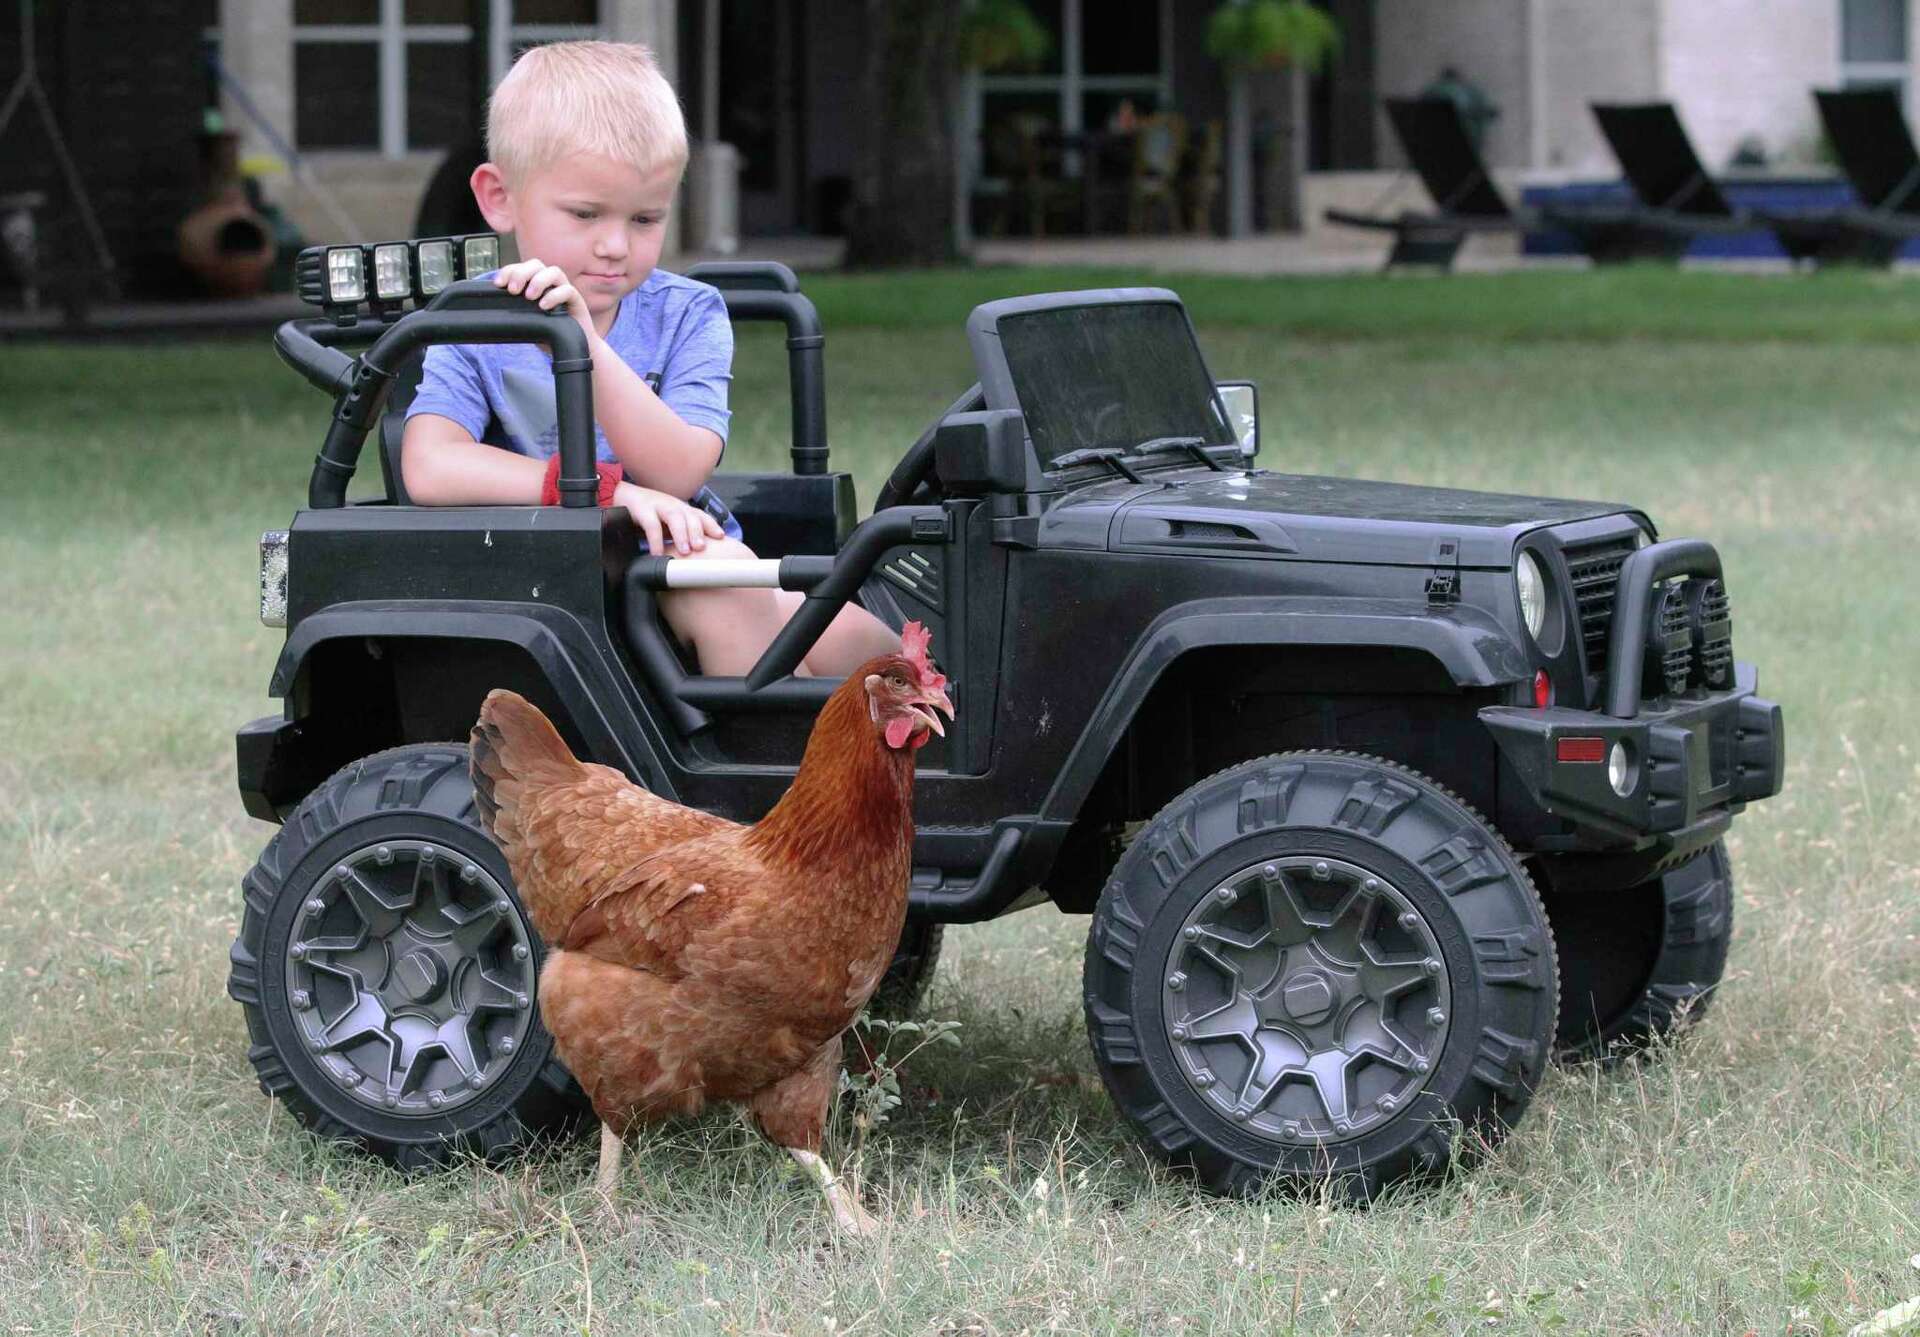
x=1734 y=68
x=363 y=196
x=1593 y=53
x=126 y=93
x=1487 y=41
x=1740 y=68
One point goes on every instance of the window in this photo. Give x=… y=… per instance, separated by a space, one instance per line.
x=1873 y=44
x=395 y=75
x=1106 y=53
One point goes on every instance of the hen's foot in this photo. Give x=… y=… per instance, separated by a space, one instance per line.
x=842 y=1198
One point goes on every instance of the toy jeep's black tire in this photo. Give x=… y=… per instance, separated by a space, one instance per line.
x=367 y=820
x=1639 y=963
x=1343 y=858
x=904 y=987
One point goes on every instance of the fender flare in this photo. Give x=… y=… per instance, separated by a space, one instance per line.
x=1473 y=649
x=561 y=648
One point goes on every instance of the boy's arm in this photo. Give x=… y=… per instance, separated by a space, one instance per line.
x=656 y=446
x=441 y=459
x=444 y=466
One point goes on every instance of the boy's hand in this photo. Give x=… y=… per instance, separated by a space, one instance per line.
x=548 y=286
x=658 y=514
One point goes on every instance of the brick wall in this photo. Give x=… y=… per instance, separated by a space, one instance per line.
x=126 y=84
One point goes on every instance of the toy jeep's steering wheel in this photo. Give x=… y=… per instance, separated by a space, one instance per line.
x=912 y=482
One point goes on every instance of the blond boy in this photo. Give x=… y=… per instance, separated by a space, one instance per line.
x=586 y=146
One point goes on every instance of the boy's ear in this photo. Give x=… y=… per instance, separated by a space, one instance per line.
x=491 y=194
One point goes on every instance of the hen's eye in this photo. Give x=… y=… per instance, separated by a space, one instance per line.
x=897 y=680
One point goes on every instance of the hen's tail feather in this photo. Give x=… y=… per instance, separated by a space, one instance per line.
x=513 y=743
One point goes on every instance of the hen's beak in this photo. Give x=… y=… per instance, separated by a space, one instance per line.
x=928 y=706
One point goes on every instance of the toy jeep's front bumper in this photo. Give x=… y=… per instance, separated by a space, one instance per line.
x=1693 y=760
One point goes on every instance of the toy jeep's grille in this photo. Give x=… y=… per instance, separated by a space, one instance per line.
x=1596 y=572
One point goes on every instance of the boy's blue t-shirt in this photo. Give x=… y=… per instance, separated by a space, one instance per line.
x=674 y=331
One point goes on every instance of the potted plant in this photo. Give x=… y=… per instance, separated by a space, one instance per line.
x=998 y=35
x=1285 y=35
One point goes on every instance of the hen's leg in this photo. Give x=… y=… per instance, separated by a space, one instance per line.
x=610 y=1148
x=843 y=1198
x=793 y=1114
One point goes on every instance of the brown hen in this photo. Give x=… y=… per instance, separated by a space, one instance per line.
x=692 y=958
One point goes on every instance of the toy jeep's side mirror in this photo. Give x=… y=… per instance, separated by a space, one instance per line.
x=985 y=452
x=1242 y=401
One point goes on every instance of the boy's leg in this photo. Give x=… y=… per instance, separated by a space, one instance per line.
x=727 y=628
x=850 y=640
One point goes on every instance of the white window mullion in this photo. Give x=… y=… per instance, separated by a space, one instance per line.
x=393 y=79
x=1166 y=55
x=499 y=41
x=1070 y=66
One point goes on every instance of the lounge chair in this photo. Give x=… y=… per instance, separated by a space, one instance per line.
x=1435 y=140
x=1675 y=199
x=1869 y=133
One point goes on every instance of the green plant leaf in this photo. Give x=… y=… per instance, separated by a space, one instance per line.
x=1271 y=33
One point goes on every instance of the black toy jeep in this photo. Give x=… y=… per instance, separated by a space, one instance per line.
x=1378 y=796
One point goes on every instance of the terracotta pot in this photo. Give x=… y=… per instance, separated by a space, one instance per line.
x=227 y=245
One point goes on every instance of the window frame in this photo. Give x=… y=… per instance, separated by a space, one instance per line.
x=391 y=37
x=1071 y=84
x=1877 y=73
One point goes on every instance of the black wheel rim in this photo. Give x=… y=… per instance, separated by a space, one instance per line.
x=411 y=977
x=1306 y=999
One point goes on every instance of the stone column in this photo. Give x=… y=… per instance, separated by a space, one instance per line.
x=256 y=46
x=657 y=24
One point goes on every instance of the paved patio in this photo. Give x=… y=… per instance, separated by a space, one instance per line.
x=1317 y=251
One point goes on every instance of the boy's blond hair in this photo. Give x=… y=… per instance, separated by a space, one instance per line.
x=608 y=98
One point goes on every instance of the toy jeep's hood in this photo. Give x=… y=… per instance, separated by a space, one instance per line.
x=1263 y=514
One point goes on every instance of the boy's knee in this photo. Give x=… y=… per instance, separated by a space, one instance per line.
x=731 y=549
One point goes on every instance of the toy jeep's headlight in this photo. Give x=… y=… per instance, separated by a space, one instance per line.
x=273 y=578
x=346 y=275
x=1533 y=593
x=391 y=282
x=434 y=263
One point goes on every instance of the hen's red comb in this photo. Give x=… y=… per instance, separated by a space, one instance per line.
x=914 y=641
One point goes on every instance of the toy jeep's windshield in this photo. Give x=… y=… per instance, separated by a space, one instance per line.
x=1115 y=374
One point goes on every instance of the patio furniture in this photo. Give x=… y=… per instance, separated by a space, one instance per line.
x=20 y=242
x=1027 y=155
x=1870 y=135
x=1159 y=143
x=1674 y=198
x=1434 y=137
x=1200 y=177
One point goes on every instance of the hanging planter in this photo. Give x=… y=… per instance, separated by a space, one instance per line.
x=1002 y=35
x=1269 y=34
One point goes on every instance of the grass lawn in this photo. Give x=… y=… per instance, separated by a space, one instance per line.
x=1763 y=1176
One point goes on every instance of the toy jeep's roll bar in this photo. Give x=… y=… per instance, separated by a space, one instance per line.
x=472 y=311
x=766 y=290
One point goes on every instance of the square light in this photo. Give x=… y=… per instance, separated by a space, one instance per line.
x=479 y=254
x=346 y=275
x=435 y=262
x=391 y=283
